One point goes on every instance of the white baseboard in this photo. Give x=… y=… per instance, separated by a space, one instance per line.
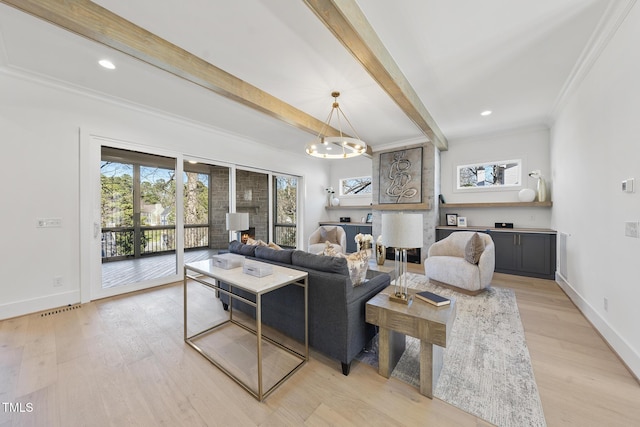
x=20 y=308
x=619 y=345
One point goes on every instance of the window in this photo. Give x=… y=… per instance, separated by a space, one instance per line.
x=499 y=174
x=358 y=186
x=285 y=191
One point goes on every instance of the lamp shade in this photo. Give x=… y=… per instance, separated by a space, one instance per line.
x=237 y=221
x=400 y=230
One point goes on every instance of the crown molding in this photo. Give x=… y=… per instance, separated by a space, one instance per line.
x=612 y=19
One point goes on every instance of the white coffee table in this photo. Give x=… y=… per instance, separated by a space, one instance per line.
x=257 y=286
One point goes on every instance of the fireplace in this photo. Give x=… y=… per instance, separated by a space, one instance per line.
x=413 y=255
x=244 y=235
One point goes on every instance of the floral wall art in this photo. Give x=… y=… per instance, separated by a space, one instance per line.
x=401 y=177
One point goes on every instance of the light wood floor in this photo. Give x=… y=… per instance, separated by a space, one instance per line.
x=122 y=361
x=127 y=271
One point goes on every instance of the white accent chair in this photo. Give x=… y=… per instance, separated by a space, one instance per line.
x=446 y=264
x=335 y=235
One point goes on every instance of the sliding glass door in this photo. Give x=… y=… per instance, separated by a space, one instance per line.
x=138 y=217
x=206 y=203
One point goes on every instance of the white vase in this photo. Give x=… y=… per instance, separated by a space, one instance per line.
x=542 y=190
x=526 y=195
x=335 y=202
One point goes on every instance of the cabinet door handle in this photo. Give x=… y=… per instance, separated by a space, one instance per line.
x=514 y=240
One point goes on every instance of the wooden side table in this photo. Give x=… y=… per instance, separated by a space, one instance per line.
x=430 y=324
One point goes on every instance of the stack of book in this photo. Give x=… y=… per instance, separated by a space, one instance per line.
x=432 y=298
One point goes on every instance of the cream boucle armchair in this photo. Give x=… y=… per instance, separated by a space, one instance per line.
x=335 y=235
x=446 y=263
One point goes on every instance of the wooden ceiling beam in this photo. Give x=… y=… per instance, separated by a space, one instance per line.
x=96 y=23
x=349 y=25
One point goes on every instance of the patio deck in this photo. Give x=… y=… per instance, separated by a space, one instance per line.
x=118 y=273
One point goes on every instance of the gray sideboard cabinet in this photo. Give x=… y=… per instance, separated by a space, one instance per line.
x=529 y=253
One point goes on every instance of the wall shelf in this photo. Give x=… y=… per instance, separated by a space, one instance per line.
x=498 y=205
x=361 y=207
x=402 y=207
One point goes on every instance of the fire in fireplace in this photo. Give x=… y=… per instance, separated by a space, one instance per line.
x=244 y=235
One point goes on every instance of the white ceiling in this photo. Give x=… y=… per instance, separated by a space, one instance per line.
x=513 y=57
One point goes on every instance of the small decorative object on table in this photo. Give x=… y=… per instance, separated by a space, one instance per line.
x=462 y=221
x=452 y=219
x=432 y=298
x=257 y=269
x=381 y=251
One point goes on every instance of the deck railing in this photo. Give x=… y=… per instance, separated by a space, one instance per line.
x=285 y=235
x=119 y=242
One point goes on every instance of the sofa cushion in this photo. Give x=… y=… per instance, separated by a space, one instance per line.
x=473 y=249
x=242 y=249
x=327 y=264
x=267 y=253
x=329 y=234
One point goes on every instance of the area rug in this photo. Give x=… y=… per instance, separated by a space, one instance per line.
x=486 y=368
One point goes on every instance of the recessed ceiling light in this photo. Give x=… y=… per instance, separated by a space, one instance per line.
x=486 y=113
x=107 y=64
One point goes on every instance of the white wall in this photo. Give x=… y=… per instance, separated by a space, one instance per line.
x=529 y=145
x=594 y=146
x=39 y=130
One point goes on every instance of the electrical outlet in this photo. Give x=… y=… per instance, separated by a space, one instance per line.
x=606 y=304
x=57 y=281
x=632 y=229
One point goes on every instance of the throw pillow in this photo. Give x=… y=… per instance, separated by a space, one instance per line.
x=329 y=249
x=274 y=246
x=473 y=249
x=254 y=242
x=358 y=264
x=329 y=234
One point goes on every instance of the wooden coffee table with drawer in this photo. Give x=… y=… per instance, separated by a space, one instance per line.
x=430 y=324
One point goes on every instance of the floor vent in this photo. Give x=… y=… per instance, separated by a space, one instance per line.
x=562 y=256
x=61 y=310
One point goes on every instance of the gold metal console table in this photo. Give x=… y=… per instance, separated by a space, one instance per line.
x=258 y=286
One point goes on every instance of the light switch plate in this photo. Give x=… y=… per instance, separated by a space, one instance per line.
x=627 y=185
x=48 y=222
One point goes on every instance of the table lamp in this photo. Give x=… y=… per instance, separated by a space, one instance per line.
x=237 y=221
x=401 y=231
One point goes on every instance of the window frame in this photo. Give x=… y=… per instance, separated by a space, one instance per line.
x=341 y=186
x=497 y=187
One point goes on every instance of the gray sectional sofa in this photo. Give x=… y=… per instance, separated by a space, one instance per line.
x=337 y=326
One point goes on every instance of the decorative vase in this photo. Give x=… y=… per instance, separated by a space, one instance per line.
x=526 y=195
x=542 y=190
x=335 y=202
x=381 y=254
